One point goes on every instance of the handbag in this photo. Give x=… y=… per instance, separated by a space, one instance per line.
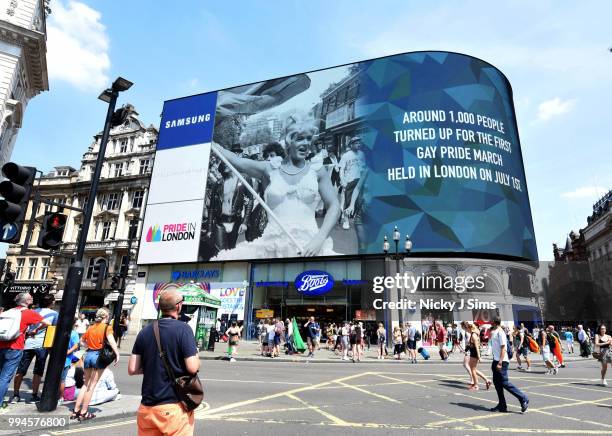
x=188 y=388
x=596 y=355
x=107 y=354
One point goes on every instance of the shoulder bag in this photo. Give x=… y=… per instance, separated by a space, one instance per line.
x=188 y=388
x=107 y=355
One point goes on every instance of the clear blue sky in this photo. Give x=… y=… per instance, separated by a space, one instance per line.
x=556 y=57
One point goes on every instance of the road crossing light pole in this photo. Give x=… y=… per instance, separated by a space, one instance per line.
x=74 y=276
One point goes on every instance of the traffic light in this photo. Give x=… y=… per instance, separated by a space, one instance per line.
x=16 y=192
x=52 y=230
x=9 y=279
x=115 y=282
x=99 y=273
x=119 y=116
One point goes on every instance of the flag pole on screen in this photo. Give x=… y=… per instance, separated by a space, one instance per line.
x=258 y=198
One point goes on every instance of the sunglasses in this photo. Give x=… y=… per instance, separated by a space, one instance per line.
x=182 y=299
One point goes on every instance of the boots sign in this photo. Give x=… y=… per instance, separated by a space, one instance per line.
x=313 y=283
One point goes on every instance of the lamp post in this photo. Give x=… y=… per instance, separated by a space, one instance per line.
x=407 y=248
x=74 y=276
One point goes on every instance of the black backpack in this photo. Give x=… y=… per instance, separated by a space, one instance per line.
x=417 y=336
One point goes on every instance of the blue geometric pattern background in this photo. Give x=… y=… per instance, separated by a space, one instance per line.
x=441 y=214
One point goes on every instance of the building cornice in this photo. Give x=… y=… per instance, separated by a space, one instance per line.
x=34 y=46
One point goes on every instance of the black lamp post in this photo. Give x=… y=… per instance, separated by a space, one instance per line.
x=398 y=256
x=74 y=276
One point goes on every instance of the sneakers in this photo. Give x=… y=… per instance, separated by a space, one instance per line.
x=604 y=382
x=524 y=406
x=35 y=398
x=15 y=399
x=232 y=360
x=520 y=368
x=528 y=369
x=555 y=371
x=4 y=404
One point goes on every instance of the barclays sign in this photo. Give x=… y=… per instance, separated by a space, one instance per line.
x=314 y=283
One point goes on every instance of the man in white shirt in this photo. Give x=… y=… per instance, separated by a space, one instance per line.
x=351 y=166
x=81 y=325
x=499 y=347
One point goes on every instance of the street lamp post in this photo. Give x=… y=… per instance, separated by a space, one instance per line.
x=74 y=276
x=398 y=256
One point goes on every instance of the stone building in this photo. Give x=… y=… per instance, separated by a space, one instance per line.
x=598 y=241
x=23 y=65
x=124 y=184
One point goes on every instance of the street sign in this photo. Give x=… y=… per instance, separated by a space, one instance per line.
x=7 y=232
x=133 y=300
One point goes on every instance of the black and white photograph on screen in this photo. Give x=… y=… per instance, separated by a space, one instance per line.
x=286 y=162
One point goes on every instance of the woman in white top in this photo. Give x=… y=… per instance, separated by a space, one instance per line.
x=603 y=342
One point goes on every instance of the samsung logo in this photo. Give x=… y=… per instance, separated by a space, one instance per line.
x=313 y=283
x=180 y=122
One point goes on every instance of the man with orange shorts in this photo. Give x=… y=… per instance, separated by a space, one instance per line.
x=160 y=412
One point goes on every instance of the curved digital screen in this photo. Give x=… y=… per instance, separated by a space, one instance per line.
x=328 y=163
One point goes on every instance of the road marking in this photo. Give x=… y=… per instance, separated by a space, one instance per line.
x=253 y=381
x=384 y=397
x=329 y=416
x=277 y=395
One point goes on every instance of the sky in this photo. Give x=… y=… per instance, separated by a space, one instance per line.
x=556 y=55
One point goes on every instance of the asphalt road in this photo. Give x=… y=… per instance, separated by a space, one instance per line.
x=270 y=398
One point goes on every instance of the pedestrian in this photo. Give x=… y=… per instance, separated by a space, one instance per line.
x=411 y=342
x=279 y=332
x=357 y=342
x=13 y=343
x=71 y=357
x=94 y=339
x=603 y=342
x=271 y=332
x=160 y=411
x=265 y=347
x=467 y=328
x=82 y=325
x=569 y=340
x=397 y=343
x=500 y=370
x=381 y=340
x=440 y=335
x=233 y=341
x=313 y=335
x=33 y=348
x=473 y=350
x=259 y=330
x=584 y=341
x=345 y=333
x=123 y=327
x=522 y=348
x=106 y=390
x=289 y=337
x=544 y=344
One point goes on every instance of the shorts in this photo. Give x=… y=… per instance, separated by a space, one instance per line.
x=277 y=339
x=345 y=341
x=26 y=359
x=524 y=351
x=353 y=340
x=91 y=359
x=545 y=353
x=411 y=344
x=313 y=340
x=64 y=373
x=164 y=419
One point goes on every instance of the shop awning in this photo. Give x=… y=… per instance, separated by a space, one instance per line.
x=195 y=296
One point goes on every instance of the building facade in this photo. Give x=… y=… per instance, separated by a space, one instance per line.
x=23 y=65
x=115 y=226
x=598 y=241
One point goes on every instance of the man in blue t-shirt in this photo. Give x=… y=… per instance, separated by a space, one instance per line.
x=160 y=410
x=314 y=331
x=34 y=349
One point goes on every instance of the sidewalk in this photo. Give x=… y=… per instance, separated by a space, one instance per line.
x=249 y=352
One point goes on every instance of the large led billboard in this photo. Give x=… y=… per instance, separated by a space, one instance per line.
x=327 y=163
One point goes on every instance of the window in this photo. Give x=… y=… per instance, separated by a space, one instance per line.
x=137 y=199
x=106 y=225
x=112 y=201
x=133 y=229
x=118 y=169
x=144 y=166
x=45 y=268
x=90 y=266
x=123 y=147
x=32 y=268
x=19 y=269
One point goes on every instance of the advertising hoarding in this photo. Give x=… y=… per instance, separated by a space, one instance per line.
x=327 y=163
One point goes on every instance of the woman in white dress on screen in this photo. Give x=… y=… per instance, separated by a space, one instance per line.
x=294 y=187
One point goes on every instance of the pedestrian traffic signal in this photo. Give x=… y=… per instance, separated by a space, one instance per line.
x=16 y=192
x=52 y=230
x=115 y=282
x=98 y=274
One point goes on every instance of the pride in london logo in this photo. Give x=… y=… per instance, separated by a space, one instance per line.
x=171 y=232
